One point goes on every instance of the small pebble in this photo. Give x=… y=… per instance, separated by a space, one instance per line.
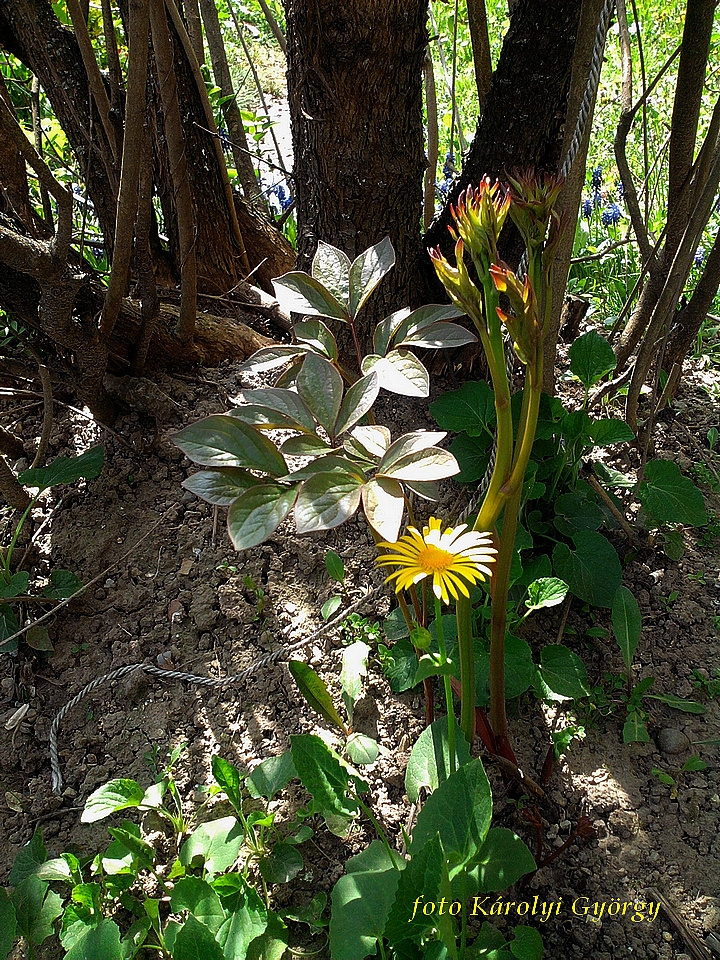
x=672 y=741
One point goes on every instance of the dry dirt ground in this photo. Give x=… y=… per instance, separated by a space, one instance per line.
x=171 y=590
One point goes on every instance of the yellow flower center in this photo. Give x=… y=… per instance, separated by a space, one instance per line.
x=432 y=558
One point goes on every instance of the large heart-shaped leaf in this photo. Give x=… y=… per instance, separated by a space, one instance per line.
x=501 y=861
x=592 y=570
x=591 y=357
x=358 y=401
x=369 y=442
x=278 y=400
x=470 y=409
x=199 y=899
x=669 y=497
x=367 y=271
x=321 y=387
x=326 y=500
x=222 y=441
x=220 y=487
x=384 y=504
x=429 y=763
x=216 y=843
x=297 y=292
x=332 y=268
x=257 y=513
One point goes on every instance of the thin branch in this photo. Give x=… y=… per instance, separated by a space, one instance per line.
x=274 y=25
x=37 y=130
x=478 y=24
x=432 y=140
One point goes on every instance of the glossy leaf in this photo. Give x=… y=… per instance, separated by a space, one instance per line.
x=470 y=409
x=429 y=763
x=65 y=470
x=409 y=443
x=269 y=358
x=334 y=566
x=296 y=292
x=369 y=442
x=331 y=267
x=439 y=336
x=220 y=487
x=308 y=445
x=110 y=797
x=257 y=514
x=228 y=777
x=321 y=387
x=325 y=501
x=627 y=623
x=322 y=775
x=266 y=400
x=353 y=672
x=215 y=844
x=423 y=465
x=399 y=372
x=564 y=672
x=358 y=401
x=387 y=328
x=223 y=441
x=591 y=357
x=384 y=505
x=315 y=693
x=669 y=497
x=367 y=271
x=317 y=336
x=361 y=902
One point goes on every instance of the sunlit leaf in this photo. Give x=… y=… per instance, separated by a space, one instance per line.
x=332 y=268
x=358 y=401
x=222 y=441
x=220 y=487
x=367 y=271
x=297 y=292
x=384 y=504
x=65 y=470
x=325 y=501
x=317 y=336
x=321 y=387
x=257 y=513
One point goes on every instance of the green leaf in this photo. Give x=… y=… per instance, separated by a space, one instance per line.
x=527 y=945
x=134 y=844
x=225 y=441
x=297 y=292
x=334 y=566
x=321 y=387
x=282 y=864
x=673 y=544
x=354 y=670
x=63 y=584
x=322 y=775
x=257 y=514
x=8 y=923
x=18 y=585
x=28 y=859
x=220 y=487
x=315 y=693
x=678 y=703
x=367 y=271
x=473 y=456
x=431 y=464
x=358 y=401
x=546 y=592
x=327 y=500
x=575 y=512
x=693 y=764
x=403 y=322
x=271 y=776
x=228 y=778
x=470 y=409
x=669 y=497
x=216 y=843
x=608 y=431
x=331 y=267
x=431 y=665
x=361 y=902
x=388 y=328
x=361 y=749
x=384 y=505
x=331 y=605
x=194 y=941
x=65 y=470
x=36 y=909
x=591 y=357
x=268 y=407
x=421 y=877
x=520 y=670
x=272 y=943
x=627 y=623
x=429 y=763
x=56 y=869
x=102 y=940
x=369 y=443
x=592 y=571
x=269 y=358
x=407 y=444
x=200 y=900
x=467 y=794
x=501 y=861
x=111 y=797
x=399 y=664
x=399 y=371
x=564 y=672
x=635 y=729
x=135 y=938
x=439 y=336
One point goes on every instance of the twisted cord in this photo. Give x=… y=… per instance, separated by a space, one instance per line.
x=583 y=114
x=282 y=653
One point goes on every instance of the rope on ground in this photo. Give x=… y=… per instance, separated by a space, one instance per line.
x=282 y=653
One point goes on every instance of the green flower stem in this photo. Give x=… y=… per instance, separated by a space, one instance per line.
x=463 y=616
x=373 y=820
x=448 y=687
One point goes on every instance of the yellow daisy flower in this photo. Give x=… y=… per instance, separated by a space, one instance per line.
x=454 y=559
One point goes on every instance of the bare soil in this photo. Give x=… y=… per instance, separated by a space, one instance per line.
x=170 y=590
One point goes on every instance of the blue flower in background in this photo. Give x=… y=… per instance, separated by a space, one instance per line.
x=611 y=215
x=597 y=178
x=449 y=165
x=587 y=209
x=699 y=256
x=620 y=190
x=282 y=196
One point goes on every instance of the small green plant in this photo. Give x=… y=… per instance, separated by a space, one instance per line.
x=692 y=764
x=356 y=627
x=259 y=594
x=668 y=602
x=336 y=571
x=710 y=686
x=14 y=584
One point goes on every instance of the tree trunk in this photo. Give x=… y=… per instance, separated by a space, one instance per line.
x=355 y=92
